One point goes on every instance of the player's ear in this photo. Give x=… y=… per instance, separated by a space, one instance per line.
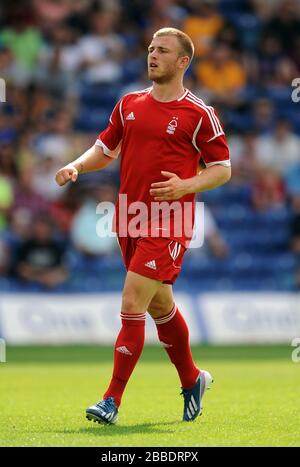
x=184 y=61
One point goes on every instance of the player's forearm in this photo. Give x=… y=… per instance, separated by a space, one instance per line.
x=93 y=159
x=207 y=179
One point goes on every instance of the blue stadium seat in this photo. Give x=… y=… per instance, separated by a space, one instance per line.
x=132 y=70
x=99 y=96
x=92 y=120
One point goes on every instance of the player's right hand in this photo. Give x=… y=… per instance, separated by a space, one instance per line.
x=67 y=173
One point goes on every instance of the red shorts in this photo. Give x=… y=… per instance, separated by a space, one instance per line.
x=157 y=258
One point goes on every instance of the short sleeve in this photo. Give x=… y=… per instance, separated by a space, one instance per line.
x=110 y=138
x=209 y=139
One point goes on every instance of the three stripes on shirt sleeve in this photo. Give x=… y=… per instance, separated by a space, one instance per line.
x=215 y=123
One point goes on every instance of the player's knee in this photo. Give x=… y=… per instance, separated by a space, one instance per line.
x=128 y=305
x=158 y=308
x=130 y=302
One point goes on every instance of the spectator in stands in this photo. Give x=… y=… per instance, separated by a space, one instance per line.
x=222 y=75
x=83 y=229
x=43 y=171
x=8 y=166
x=20 y=223
x=7 y=65
x=229 y=35
x=267 y=9
x=56 y=144
x=295 y=225
x=59 y=62
x=41 y=259
x=268 y=190
x=24 y=41
x=142 y=82
x=295 y=52
x=64 y=208
x=284 y=73
x=203 y=25
x=214 y=243
x=8 y=134
x=269 y=53
x=25 y=197
x=163 y=13
x=78 y=17
x=292 y=181
x=59 y=141
x=295 y=235
x=41 y=103
x=285 y=24
x=16 y=232
x=262 y=115
x=50 y=13
x=50 y=137
x=173 y=13
x=243 y=149
x=101 y=51
x=280 y=149
x=6 y=199
x=4 y=261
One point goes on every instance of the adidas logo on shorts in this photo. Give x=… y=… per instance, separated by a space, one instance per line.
x=151 y=264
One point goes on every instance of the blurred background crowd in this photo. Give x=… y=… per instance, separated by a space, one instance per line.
x=66 y=63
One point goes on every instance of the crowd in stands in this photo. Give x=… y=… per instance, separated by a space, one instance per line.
x=65 y=64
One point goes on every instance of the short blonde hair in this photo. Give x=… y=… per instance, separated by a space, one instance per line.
x=184 y=40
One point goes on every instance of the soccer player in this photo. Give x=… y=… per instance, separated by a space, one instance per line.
x=162 y=133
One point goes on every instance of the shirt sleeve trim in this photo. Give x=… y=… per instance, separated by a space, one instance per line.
x=120 y=110
x=195 y=134
x=216 y=136
x=110 y=153
x=226 y=163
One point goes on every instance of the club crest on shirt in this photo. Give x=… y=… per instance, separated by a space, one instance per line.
x=172 y=125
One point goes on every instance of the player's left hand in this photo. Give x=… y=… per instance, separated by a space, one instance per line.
x=172 y=189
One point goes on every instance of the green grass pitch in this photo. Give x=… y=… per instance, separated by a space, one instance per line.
x=254 y=400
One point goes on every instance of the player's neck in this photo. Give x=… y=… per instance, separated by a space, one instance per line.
x=167 y=92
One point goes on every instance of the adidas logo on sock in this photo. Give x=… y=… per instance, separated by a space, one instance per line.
x=151 y=264
x=130 y=116
x=124 y=350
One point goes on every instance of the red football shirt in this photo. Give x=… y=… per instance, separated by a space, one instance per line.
x=153 y=136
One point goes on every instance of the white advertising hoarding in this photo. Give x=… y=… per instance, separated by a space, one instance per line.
x=245 y=318
x=73 y=319
x=224 y=318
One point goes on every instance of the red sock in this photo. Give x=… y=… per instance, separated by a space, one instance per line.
x=173 y=333
x=128 y=348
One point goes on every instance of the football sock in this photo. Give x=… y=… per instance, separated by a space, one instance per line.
x=128 y=348
x=173 y=333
